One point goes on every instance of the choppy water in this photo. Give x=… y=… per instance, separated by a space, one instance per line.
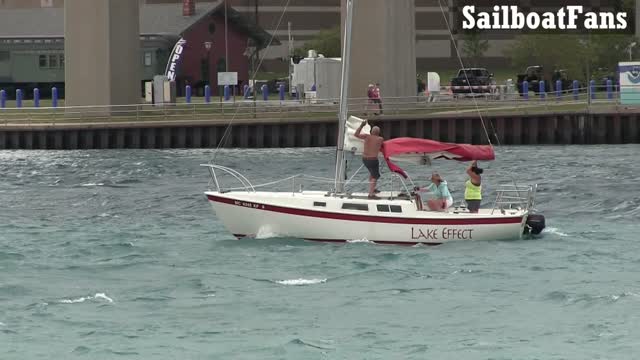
x=116 y=255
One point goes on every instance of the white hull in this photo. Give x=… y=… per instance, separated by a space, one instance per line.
x=314 y=216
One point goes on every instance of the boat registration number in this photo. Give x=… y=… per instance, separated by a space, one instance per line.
x=248 y=204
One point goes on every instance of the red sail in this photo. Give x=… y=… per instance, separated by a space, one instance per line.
x=433 y=150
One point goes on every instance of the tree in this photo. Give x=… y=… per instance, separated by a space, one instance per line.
x=580 y=55
x=551 y=51
x=326 y=42
x=608 y=50
x=474 y=47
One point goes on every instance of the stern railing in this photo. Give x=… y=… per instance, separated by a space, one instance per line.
x=520 y=197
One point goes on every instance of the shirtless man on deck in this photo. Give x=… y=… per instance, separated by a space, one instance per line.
x=372 y=146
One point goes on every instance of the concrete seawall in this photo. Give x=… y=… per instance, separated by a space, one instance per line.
x=567 y=128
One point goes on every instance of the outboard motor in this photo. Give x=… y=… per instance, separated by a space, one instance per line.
x=535 y=224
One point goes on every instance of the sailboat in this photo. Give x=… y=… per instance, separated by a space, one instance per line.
x=398 y=217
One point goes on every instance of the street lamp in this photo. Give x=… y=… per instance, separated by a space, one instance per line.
x=631 y=46
x=208 y=45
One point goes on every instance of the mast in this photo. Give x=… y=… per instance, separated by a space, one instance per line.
x=344 y=99
x=226 y=40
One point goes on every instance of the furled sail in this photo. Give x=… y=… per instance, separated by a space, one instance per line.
x=425 y=150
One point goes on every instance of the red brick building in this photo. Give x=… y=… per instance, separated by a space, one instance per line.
x=208 y=45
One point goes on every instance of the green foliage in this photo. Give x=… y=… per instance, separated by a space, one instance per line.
x=326 y=42
x=474 y=47
x=580 y=55
x=608 y=50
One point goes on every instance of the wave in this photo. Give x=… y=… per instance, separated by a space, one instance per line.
x=110 y=185
x=623 y=295
x=265 y=232
x=81 y=350
x=301 y=282
x=570 y=299
x=154 y=298
x=11 y=256
x=92 y=184
x=555 y=231
x=302 y=342
x=357 y=241
x=97 y=296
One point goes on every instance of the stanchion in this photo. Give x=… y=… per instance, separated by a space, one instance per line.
x=227 y=93
x=36 y=97
x=207 y=94
x=54 y=97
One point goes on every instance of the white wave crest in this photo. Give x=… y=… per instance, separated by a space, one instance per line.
x=92 y=184
x=265 y=232
x=356 y=241
x=555 y=231
x=301 y=282
x=97 y=296
x=624 y=294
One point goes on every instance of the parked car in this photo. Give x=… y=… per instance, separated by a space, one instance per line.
x=533 y=76
x=472 y=80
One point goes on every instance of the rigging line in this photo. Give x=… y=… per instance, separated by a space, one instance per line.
x=455 y=46
x=227 y=131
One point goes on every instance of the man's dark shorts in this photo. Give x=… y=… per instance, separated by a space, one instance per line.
x=373 y=165
x=473 y=205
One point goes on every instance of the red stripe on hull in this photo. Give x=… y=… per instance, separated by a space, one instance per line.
x=375 y=242
x=378 y=242
x=366 y=218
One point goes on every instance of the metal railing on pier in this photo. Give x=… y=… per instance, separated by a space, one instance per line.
x=433 y=105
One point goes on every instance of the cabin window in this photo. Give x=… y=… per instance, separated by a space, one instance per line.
x=321 y=204
x=148 y=59
x=360 y=207
x=42 y=61
x=383 y=208
x=396 y=208
x=61 y=61
x=53 y=61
